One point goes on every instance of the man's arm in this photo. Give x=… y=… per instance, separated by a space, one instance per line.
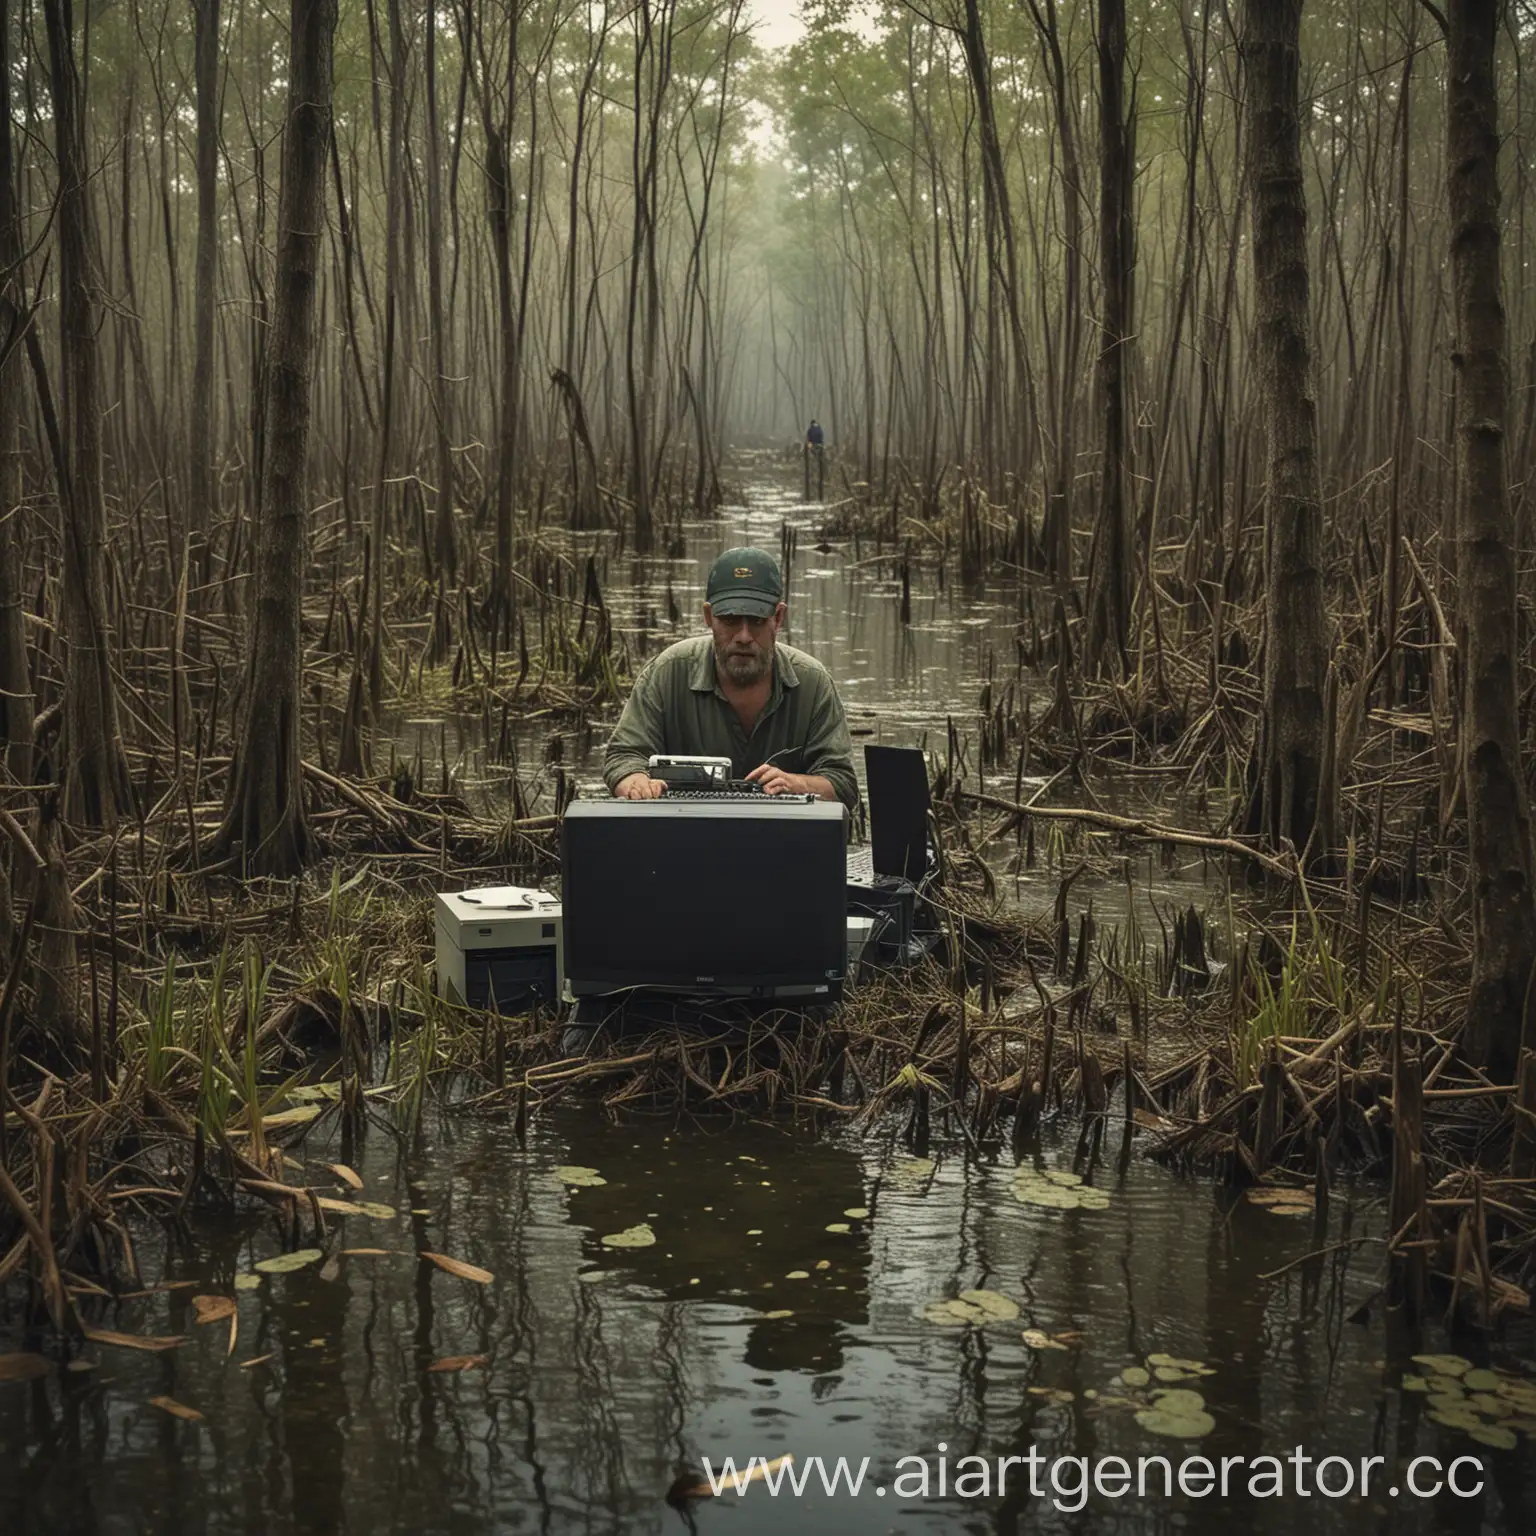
x=828 y=751
x=639 y=735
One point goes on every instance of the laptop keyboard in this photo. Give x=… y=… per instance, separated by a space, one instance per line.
x=738 y=795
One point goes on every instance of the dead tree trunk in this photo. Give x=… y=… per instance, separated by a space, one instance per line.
x=446 y=543
x=95 y=772
x=1498 y=816
x=265 y=817
x=1109 y=568
x=1289 y=798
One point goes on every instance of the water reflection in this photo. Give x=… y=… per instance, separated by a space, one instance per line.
x=595 y=1393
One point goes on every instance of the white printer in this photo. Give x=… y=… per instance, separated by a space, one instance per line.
x=500 y=947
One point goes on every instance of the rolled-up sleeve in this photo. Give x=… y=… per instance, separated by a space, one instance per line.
x=640 y=733
x=828 y=747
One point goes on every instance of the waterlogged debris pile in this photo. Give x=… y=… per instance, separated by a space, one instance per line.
x=286 y=1263
x=578 y=1177
x=637 y=1236
x=1057 y=1190
x=1493 y=1407
x=973 y=1308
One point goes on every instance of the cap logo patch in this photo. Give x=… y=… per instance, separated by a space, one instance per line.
x=742 y=570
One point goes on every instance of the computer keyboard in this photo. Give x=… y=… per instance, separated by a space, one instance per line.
x=746 y=792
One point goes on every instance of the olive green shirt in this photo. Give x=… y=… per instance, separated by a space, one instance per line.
x=677 y=706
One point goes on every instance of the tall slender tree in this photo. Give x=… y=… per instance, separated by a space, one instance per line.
x=1109 y=566
x=1498 y=815
x=94 y=769
x=201 y=446
x=1290 y=799
x=265 y=816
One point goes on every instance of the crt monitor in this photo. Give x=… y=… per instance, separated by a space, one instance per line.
x=739 y=897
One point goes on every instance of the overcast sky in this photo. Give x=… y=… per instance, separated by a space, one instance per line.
x=778 y=22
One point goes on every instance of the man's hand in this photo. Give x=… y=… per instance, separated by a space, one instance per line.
x=776 y=782
x=639 y=786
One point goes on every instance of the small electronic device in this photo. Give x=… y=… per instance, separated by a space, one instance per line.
x=898 y=811
x=500 y=947
x=690 y=772
x=737 y=896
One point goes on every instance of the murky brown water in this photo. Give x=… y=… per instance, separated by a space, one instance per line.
x=748 y=1328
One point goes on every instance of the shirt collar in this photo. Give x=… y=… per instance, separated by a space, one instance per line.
x=703 y=679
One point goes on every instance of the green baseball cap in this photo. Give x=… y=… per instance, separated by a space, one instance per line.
x=744 y=583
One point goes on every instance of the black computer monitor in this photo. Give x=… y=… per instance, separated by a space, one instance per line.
x=736 y=898
x=898 y=811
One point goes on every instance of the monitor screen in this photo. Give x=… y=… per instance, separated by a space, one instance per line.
x=722 y=898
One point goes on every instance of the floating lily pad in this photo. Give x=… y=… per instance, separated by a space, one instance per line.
x=581 y=1178
x=1496 y=1435
x=1055 y=1190
x=1444 y=1365
x=1491 y=1405
x=780 y=1312
x=1412 y=1383
x=1038 y=1339
x=1456 y=1418
x=1481 y=1381
x=1177 y=1413
x=286 y=1263
x=997 y=1307
x=798 y=1274
x=1052 y=1394
x=1174 y=1373
x=1134 y=1376
x=247 y=1282
x=1062 y=1176
x=857 y=1213
x=838 y=1226
x=638 y=1236
x=913 y=1170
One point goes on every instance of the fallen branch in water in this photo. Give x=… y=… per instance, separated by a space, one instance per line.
x=1134 y=827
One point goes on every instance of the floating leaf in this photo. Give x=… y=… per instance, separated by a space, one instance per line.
x=1036 y=1339
x=1456 y=1418
x=1444 y=1365
x=1061 y=1176
x=857 y=1213
x=179 y=1410
x=212 y=1309
x=638 y=1236
x=1191 y=1425
x=798 y=1274
x=1134 y=1376
x=23 y=1367
x=838 y=1226
x=375 y=1208
x=778 y=1313
x=346 y=1175
x=1052 y=1394
x=1176 y=1362
x=581 y=1178
x=247 y=1282
x=1481 y=1381
x=81 y=1366
x=1173 y=1373
x=997 y=1307
x=459 y=1363
x=691 y=1486
x=592 y=1276
x=1412 y=1383
x=245 y=1365
x=913 y=1170
x=1496 y=1435
x=1491 y=1405
x=460 y=1268
x=367 y=1253
x=1281 y=1201
x=150 y=1342
x=286 y=1263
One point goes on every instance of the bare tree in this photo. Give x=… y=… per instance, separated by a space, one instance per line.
x=1498 y=815
x=1290 y=800
x=265 y=816
x=200 y=448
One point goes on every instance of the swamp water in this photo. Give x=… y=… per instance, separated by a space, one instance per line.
x=794 y=1300
x=785 y=1306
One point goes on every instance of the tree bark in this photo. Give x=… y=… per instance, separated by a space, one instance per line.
x=1289 y=797
x=266 y=810
x=1498 y=816
x=1109 y=573
x=95 y=771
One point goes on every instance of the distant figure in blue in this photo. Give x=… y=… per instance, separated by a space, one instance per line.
x=815 y=437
